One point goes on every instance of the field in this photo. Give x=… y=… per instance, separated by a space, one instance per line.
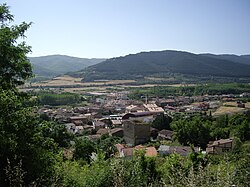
x=71 y=81
x=230 y=108
x=74 y=85
x=153 y=85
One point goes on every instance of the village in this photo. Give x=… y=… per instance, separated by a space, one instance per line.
x=125 y=93
x=116 y=115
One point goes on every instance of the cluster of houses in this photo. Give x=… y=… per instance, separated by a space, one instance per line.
x=116 y=115
x=213 y=148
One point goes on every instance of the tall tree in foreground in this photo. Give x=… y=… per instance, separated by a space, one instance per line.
x=27 y=156
x=14 y=64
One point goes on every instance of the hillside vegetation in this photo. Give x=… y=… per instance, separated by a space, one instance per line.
x=243 y=59
x=53 y=65
x=166 y=64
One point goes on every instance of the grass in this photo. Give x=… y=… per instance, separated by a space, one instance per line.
x=228 y=110
x=68 y=80
x=230 y=104
x=67 y=83
x=247 y=105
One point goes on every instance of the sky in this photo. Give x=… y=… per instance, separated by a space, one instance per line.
x=112 y=28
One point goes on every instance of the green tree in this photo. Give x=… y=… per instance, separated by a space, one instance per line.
x=26 y=154
x=240 y=126
x=106 y=144
x=194 y=131
x=83 y=150
x=57 y=132
x=22 y=141
x=220 y=128
x=14 y=64
x=162 y=122
x=242 y=131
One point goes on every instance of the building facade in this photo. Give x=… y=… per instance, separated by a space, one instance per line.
x=136 y=132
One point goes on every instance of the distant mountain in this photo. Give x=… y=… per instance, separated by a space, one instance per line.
x=243 y=59
x=166 y=63
x=53 y=65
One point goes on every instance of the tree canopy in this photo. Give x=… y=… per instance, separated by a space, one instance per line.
x=14 y=64
x=26 y=152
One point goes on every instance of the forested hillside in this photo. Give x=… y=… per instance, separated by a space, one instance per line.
x=53 y=65
x=165 y=63
x=243 y=59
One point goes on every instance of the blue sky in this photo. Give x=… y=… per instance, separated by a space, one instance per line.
x=111 y=28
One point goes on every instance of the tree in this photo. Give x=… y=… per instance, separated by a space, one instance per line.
x=220 y=128
x=14 y=64
x=194 y=131
x=106 y=144
x=22 y=141
x=83 y=150
x=242 y=131
x=240 y=126
x=162 y=122
x=57 y=132
x=27 y=155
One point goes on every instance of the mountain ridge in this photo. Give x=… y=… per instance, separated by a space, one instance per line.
x=166 y=62
x=53 y=65
x=243 y=59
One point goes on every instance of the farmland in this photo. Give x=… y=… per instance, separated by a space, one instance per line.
x=67 y=83
x=231 y=108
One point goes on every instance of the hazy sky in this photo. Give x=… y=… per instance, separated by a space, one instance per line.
x=110 y=28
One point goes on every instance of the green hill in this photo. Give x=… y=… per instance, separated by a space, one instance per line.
x=49 y=66
x=164 y=63
x=243 y=59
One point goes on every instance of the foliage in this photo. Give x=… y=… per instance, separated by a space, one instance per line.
x=140 y=171
x=199 y=130
x=211 y=89
x=220 y=128
x=98 y=174
x=27 y=155
x=162 y=122
x=106 y=144
x=194 y=131
x=237 y=125
x=57 y=132
x=198 y=159
x=165 y=64
x=240 y=126
x=54 y=65
x=22 y=140
x=55 y=99
x=14 y=65
x=84 y=149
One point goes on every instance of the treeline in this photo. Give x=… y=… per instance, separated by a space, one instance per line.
x=199 y=130
x=55 y=99
x=211 y=89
